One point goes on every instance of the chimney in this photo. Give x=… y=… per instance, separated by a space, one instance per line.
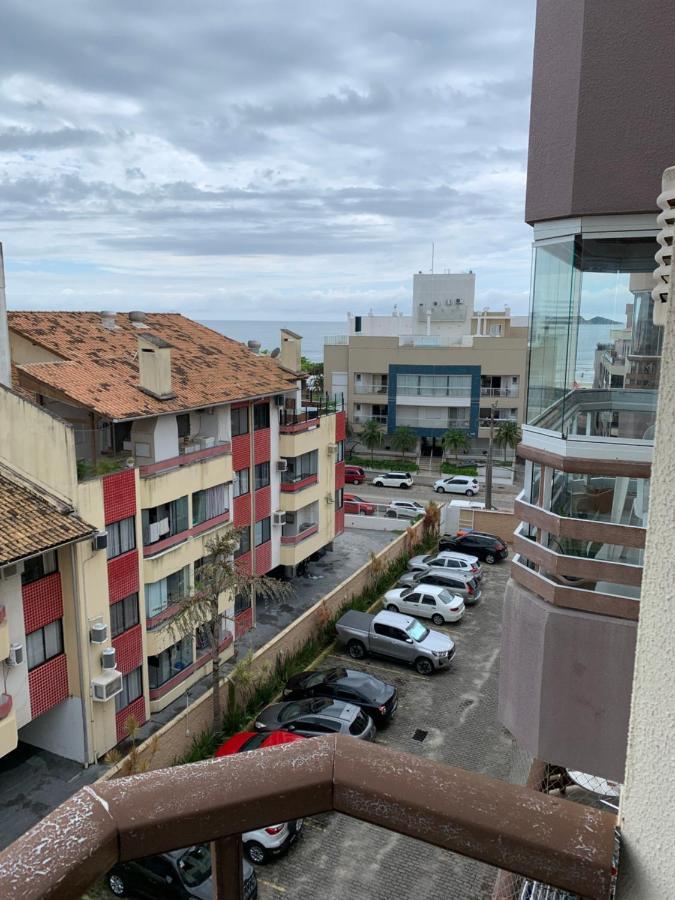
x=154 y=366
x=291 y=350
x=253 y=346
x=108 y=320
x=5 y=358
x=138 y=319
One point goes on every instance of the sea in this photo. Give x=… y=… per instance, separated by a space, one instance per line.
x=267 y=333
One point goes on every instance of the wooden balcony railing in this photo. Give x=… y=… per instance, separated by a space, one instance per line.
x=512 y=827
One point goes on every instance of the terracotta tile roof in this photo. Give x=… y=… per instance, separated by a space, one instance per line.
x=30 y=524
x=100 y=367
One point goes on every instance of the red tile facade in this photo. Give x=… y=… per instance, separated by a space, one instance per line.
x=129 y=647
x=48 y=685
x=242 y=510
x=340 y=426
x=122 y=576
x=119 y=496
x=243 y=622
x=42 y=602
x=339 y=521
x=339 y=475
x=135 y=709
x=263 y=503
x=241 y=452
x=244 y=563
x=263 y=558
x=262 y=445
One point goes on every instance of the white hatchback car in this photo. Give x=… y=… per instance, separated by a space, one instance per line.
x=458 y=484
x=404 y=509
x=428 y=601
x=394 y=479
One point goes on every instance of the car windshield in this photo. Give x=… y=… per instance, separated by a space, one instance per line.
x=195 y=865
x=356 y=499
x=417 y=631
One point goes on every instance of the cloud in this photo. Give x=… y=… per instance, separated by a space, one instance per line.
x=300 y=153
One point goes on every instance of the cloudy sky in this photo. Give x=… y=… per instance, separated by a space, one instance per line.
x=254 y=159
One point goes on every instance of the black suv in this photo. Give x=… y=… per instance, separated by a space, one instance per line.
x=375 y=697
x=179 y=875
x=487 y=547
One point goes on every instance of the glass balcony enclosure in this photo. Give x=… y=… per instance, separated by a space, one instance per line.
x=595 y=353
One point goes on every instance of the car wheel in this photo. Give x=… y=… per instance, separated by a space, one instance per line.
x=390 y=514
x=256 y=853
x=356 y=650
x=116 y=885
x=440 y=490
x=377 y=484
x=438 y=619
x=424 y=666
x=404 y=486
x=391 y=607
x=469 y=493
x=490 y=559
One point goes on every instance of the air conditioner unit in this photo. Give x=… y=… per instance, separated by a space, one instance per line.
x=100 y=540
x=279 y=400
x=330 y=499
x=282 y=465
x=279 y=517
x=98 y=633
x=16 y=655
x=106 y=686
x=332 y=449
x=108 y=658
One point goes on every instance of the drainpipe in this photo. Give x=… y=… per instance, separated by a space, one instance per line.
x=84 y=683
x=251 y=432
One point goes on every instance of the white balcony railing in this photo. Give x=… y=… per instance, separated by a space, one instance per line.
x=336 y=339
x=365 y=388
x=433 y=392
x=499 y=392
x=361 y=419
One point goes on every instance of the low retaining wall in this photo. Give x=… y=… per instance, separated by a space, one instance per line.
x=375 y=523
x=174 y=739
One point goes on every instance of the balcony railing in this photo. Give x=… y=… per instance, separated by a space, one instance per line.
x=306 y=530
x=292 y=485
x=333 y=340
x=188 y=455
x=595 y=414
x=499 y=392
x=362 y=418
x=442 y=424
x=420 y=391
x=314 y=407
x=370 y=388
x=512 y=827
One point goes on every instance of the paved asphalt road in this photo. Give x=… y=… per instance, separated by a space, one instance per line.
x=502 y=496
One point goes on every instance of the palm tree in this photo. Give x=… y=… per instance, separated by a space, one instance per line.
x=218 y=575
x=371 y=436
x=455 y=439
x=508 y=435
x=404 y=439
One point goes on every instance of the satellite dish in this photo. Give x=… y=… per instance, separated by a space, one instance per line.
x=275 y=352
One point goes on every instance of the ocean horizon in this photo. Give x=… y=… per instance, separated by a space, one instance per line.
x=268 y=333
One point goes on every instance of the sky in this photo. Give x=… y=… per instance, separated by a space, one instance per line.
x=257 y=160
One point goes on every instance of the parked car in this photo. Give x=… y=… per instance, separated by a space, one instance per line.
x=458 y=484
x=394 y=479
x=178 y=875
x=354 y=475
x=357 y=506
x=396 y=637
x=404 y=509
x=261 y=844
x=428 y=601
x=375 y=697
x=487 y=547
x=446 y=559
x=460 y=583
x=316 y=716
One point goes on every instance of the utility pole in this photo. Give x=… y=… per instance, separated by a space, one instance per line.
x=488 y=468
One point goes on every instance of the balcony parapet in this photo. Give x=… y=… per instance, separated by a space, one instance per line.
x=508 y=826
x=292 y=539
x=583 y=529
x=222 y=448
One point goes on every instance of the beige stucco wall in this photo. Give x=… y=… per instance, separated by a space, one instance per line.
x=25 y=351
x=166 y=486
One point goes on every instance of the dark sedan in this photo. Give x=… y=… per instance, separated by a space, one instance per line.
x=487 y=547
x=315 y=717
x=375 y=697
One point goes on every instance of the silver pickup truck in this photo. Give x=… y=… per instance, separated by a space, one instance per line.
x=395 y=636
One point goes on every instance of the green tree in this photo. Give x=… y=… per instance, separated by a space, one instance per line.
x=371 y=436
x=455 y=439
x=220 y=575
x=508 y=435
x=404 y=439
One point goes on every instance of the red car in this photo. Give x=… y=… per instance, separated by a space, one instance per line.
x=354 y=475
x=255 y=740
x=356 y=506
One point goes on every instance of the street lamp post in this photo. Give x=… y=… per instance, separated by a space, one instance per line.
x=488 y=468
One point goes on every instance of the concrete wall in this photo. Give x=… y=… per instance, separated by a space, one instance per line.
x=175 y=738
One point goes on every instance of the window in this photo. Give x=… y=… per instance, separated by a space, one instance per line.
x=166 y=520
x=241 y=482
x=121 y=537
x=39 y=566
x=183 y=423
x=132 y=688
x=164 y=593
x=239 y=419
x=301 y=467
x=262 y=475
x=170 y=662
x=339 y=498
x=124 y=615
x=44 y=644
x=261 y=416
x=208 y=504
x=340 y=451
x=242 y=602
x=412 y=598
x=262 y=531
x=244 y=543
